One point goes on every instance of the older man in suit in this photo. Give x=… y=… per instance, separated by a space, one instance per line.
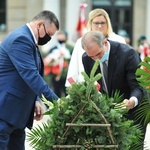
x=21 y=79
x=121 y=62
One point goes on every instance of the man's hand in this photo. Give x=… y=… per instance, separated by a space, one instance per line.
x=129 y=103
x=38 y=111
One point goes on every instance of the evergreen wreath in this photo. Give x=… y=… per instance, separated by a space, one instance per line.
x=86 y=119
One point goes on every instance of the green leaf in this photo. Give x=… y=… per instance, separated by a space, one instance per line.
x=145 y=64
x=147 y=59
x=96 y=64
x=143 y=112
x=141 y=72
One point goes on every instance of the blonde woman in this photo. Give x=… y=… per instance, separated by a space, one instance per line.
x=98 y=21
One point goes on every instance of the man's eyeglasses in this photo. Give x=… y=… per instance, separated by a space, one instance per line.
x=99 y=23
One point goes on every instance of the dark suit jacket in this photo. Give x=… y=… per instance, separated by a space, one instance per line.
x=122 y=64
x=21 y=71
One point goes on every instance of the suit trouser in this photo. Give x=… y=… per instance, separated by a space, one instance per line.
x=11 y=138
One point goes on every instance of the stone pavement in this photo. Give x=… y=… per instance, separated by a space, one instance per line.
x=147 y=136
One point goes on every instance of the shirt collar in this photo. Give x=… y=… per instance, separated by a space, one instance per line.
x=108 y=50
x=32 y=32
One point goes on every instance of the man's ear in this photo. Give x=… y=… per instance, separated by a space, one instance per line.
x=40 y=23
x=105 y=42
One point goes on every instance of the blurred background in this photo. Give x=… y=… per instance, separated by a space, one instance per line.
x=129 y=17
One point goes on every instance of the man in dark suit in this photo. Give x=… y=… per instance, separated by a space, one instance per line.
x=121 y=63
x=21 y=79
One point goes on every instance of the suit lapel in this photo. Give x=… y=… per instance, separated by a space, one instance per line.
x=112 y=64
x=37 y=55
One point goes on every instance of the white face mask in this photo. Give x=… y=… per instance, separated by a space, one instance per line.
x=104 y=58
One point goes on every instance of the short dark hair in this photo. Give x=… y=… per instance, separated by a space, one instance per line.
x=47 y=16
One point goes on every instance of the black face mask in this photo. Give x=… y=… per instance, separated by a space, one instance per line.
x=61 y=41
x=45 y=39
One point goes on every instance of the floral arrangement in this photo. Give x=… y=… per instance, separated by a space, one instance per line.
x=56 y=62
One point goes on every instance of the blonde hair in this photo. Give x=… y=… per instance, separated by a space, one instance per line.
x=100 y=12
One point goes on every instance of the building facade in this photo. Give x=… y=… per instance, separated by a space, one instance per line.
x=129 y=15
